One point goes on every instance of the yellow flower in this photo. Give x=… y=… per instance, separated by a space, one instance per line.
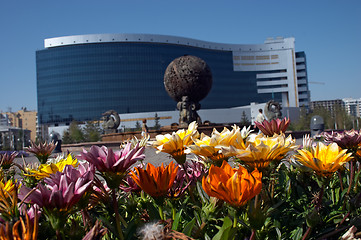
x=8 y=199
x=261 y=150
x=212 y=147
x=234 y=186
x=176 y=143
x=44 y=170
x=323 y=159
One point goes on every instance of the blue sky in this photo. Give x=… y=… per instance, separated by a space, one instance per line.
x=328 y=31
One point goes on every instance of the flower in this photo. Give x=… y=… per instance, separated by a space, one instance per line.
x=179 y=186
x=130 y=185
x=245 y=132
x=7 y=159
x=113 y=165
x=176 y=143
x=195 y=171
x=152 y=231
x=261 y=150
x=275 y=126
x=323 y=159
x=350 y=139
x=142 y=142
x=42 y=151
x=8 y=199
x=307 y=142
x=25 y=230
x=61 y=190
x=45 y=170
x=105 y=160
x=155 y=181
x=97 y=232
x=211 y=147
x=234 y=186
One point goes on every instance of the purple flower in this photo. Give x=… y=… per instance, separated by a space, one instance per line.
x=275 y=126
x=348 y=139
x=7 y=159
x=105 y=160
x=193 y=172
x=113 y=165
x=61 y=191
x=130 y=185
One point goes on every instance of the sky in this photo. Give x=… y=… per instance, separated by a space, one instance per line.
x=328 y=31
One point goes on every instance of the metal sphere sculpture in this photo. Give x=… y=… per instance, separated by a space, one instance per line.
x=188 y=80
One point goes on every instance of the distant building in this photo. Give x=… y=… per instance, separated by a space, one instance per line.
x=302 y=80
x=24 y=119
x=80 y=77
x=330 y=105
x=352 y=106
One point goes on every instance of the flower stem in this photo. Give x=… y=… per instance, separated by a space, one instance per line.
x=160 y=209
x=340 y=177
x=306 y=233
x=357 y=179
x=352 y=173
x=253 y=235
x=319 y=200
x=117 y=216
x=235 y=219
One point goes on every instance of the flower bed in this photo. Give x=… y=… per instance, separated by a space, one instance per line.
x=240 y=185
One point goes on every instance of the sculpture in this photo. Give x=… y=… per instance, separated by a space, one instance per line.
x=188 y=79
x=188 y=111
x=111 y=121
x=272 y=110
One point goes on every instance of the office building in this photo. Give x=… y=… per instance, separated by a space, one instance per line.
x=80 y=77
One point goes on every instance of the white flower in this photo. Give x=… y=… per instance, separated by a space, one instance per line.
x=152 y=231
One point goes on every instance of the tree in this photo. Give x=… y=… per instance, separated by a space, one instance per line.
x=156 y=122
x=138 y=126
x=66 y=137
x=91 y=132
x=244 y=119
x=74 y=134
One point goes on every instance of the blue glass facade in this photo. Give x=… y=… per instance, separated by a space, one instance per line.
x=80 y=82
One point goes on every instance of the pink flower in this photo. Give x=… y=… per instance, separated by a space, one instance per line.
x=7 y=159
x=275 y=126
x=105 y=160
x=130 y=185
x=193 y=172
x=114 y=166
x=61 y=191
x=350 y=139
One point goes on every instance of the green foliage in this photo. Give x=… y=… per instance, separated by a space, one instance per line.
x=336 y=119
x=138 y=126
x=76 y=134
x=244 y=120
x=91 y=132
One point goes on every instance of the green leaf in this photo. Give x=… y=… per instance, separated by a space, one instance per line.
x=279 y=234
x=226 y=231
x=297 y=233
x=176 y=220
x=189 y=227
x=204 y=196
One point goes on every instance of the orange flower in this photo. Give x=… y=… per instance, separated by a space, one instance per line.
x=234 y=186
x=26 y=230
x=155 y=181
